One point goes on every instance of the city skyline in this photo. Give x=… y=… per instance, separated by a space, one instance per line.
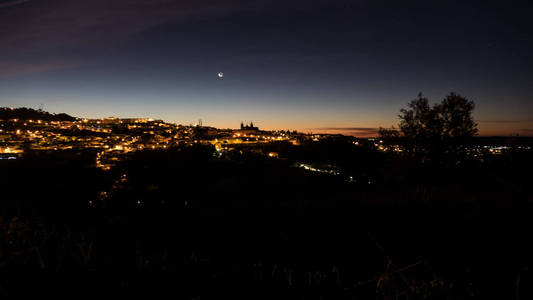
x=319 y=66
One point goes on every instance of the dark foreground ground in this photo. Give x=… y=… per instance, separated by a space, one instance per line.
x=249 y=227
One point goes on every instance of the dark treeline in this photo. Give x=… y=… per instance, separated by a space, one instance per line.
x=255 y=227
x=24 y=113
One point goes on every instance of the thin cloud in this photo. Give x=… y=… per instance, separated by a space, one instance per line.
x=354 y=131
x=345 y=128
x=60 y=22
x=13 y=3
x=10 y=68
x=55 y=29
x=504 y=121
x=50 y=30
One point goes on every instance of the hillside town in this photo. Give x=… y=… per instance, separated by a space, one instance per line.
x=111 y=138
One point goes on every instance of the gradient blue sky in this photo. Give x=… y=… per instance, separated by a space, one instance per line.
x=337 y=65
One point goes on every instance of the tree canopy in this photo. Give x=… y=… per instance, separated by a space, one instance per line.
x=24 y=113
x=439 y=129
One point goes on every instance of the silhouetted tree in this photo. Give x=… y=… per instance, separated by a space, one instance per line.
x=441 y=129
x=455 y=114
x=24 y=113
x=419 y=120
x=388 y=135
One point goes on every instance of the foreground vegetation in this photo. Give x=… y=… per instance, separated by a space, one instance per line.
x=244 y=222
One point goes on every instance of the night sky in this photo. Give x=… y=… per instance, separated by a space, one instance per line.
x=322 y=66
